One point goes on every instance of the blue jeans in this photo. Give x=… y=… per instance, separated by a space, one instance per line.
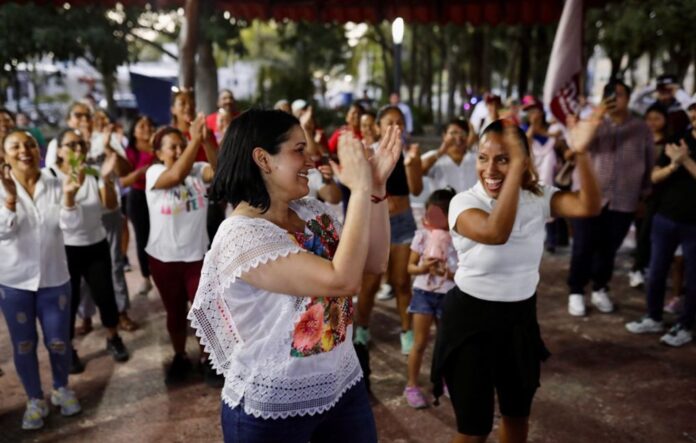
x=51 y=306
x=666 y=235
x=426 y=303
x=403 y=228
x=350 y=420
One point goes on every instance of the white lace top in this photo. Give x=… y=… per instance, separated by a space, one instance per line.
x=284 y=355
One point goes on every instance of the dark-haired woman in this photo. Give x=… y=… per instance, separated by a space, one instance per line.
x=406 y=179
x=89 y=257
x=656 y=118
x=674 y=223
x=141 y=156
x=352 y=126
x=489 y=341
x=453 y=163
x=274 y=304
x=183 y=113
x=37 y=208
x=177 y=204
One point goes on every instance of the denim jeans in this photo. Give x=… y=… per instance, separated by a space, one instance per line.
x=595 y=242
x=350 y=420
x=666 y=236
x=51 y=306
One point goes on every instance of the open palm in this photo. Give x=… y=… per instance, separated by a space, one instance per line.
x=582 y=133
x=386 y=156
x=7 y=181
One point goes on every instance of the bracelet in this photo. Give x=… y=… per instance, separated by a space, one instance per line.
x=378 y=199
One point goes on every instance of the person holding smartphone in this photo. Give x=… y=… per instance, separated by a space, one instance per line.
x=622 y=153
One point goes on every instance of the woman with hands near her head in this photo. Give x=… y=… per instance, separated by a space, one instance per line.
x=37 y=208
x=177 y=205
x=274 y=303
x=489 y=339
x=87 y=248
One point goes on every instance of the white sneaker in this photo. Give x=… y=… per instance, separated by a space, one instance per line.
x=65 y=398
x=644 y=326
x=635 y=279
x=576 y=305
x=677 y=336
x=385 y=292
x=600 y=299
x=36 y=411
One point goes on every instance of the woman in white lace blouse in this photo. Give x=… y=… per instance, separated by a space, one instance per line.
x=274 y=307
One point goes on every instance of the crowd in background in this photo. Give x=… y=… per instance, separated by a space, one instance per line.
x=69 y=206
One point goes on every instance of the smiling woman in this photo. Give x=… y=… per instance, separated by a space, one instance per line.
x=34 y=280
x=274 y=303
x=489 y=339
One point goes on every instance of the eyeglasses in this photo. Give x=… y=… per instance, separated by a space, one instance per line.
x=81 y=115
x=75 y=144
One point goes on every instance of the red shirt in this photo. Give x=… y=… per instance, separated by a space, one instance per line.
x=211 y=120
x=200 y=156
x=333 y=141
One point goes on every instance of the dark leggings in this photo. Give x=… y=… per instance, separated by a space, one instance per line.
x=136 y=206
x=93 y=263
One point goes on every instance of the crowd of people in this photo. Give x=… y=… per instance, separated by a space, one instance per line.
x=272 y=240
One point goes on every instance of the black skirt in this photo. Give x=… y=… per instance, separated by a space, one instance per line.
x=465 y=317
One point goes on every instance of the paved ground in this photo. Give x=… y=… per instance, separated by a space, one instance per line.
x=601 y=385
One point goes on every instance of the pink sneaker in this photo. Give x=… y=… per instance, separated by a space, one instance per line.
x=415 y=398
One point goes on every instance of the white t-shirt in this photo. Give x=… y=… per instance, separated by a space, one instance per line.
x=91 y=230
x=177 y=216
x=445 y=172
x=507 y=272
x=285 y=355
x=544 y=156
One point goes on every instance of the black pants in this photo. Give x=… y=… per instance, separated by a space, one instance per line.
x=139 y=215
x=93 y=263
x=595 y=242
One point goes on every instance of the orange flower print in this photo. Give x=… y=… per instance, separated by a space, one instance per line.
x=309 y=330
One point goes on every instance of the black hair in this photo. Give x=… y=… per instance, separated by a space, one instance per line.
x=59 y=140
x=16 y=131
x=530 y=180
x=131 y=130
x=237 y=176
x=441 y=198
x=613 y=83
x=459 y=122
x=8 y=112
x=387 y=108
x=660 y=109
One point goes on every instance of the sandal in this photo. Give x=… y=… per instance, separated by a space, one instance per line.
x=84 y=328
x=125 y=323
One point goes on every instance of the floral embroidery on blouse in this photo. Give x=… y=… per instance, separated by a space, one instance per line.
x=324 y=322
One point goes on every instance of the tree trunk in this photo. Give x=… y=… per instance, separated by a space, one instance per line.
x=189 y=44
x=414 y=62
x=525 y=43
x=109 y=80
x=206 y=78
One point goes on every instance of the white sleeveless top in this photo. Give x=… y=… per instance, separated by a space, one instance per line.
x=284 y=355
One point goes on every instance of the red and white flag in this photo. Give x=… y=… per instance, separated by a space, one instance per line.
x=562 y=84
